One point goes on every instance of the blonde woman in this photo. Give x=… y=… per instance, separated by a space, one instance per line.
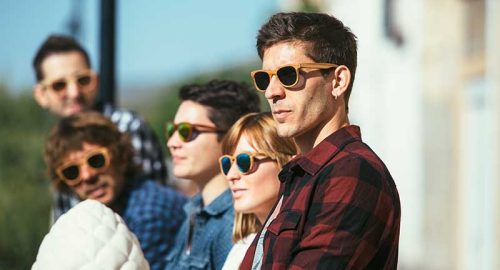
x=254 y=155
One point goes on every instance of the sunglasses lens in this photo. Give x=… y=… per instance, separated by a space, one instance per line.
x=244 y=162
x=287 y=75
x=261 y=80
x=71 y=172
x=58 y=85
x=225 y=164
x=170 y=129
x=97 y=161
x=84 y=80
x=185 y=131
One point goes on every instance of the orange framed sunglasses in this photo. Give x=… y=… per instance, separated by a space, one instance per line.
x=244 y=160
x=288 y=75
x=87 y=80
x=70 y=172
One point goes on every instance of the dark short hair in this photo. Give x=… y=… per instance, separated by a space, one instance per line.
x=330 y=41
x=227 y=101
x=88 y=127
x=56 y=44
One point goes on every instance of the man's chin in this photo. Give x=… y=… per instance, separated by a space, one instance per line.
x=181 y=173
x=285 y=131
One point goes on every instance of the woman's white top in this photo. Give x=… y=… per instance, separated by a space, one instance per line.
x=237 y=253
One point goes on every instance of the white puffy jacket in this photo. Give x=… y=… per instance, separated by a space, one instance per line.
x=90 y=236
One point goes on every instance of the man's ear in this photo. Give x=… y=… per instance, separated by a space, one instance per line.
x=39 y=95
x=97 y=81
x=340 y=81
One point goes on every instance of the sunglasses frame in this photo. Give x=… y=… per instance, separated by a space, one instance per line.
x=49 y=84
x=192 y=127
x=84 y=160
x=297 y=67
x=233 y=159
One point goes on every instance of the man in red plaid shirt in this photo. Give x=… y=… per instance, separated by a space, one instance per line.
x=339 y=207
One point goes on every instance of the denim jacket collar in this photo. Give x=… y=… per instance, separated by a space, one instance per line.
x=216 y=207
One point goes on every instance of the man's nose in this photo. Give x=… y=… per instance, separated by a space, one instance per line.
x=274 y=90
x=174 y=141
x=86 y=173
x=74 y=90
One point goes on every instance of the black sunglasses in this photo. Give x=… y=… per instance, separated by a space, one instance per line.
x=288 y=75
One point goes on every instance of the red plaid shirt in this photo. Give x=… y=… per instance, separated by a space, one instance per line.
x=340 y=210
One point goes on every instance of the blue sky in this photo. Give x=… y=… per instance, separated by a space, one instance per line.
x=157 y=40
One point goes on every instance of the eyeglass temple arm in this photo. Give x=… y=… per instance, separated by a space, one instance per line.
x=318 y=65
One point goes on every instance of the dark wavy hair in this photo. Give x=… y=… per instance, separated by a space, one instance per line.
x=56 y=44
x=326 y=38
x=227 y=101
x=87 y=127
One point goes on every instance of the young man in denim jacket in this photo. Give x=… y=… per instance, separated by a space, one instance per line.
x=194 y=139
x=89 y=157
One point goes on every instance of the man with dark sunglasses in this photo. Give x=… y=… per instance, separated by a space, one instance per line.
x=88 y=156
x=67 y=85
x=194 y=139
x=339 y=207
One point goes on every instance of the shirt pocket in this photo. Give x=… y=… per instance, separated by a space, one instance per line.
x=195 y=263
x=285 y=222
x=170 y=259
x=185 y=261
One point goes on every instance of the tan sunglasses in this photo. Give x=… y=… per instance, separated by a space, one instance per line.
x=97 y=160
x=86 y=80
x=244 y=160
x=288 y=75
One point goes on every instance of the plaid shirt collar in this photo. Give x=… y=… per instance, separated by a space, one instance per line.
x=314 y=160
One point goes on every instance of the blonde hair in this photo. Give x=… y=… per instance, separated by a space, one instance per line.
x=260 y=131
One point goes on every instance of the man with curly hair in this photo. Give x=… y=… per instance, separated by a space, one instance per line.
x=89 y=157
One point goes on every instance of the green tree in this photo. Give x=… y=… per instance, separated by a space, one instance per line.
x=24 y=191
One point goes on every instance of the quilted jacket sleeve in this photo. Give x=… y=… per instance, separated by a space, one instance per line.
x=90 y=236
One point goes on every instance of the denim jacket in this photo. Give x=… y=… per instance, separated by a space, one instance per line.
x=211 y=234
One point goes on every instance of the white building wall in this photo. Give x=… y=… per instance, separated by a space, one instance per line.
x=387 y=103
x=426 y=95
x=492 y=226
x=443 y=46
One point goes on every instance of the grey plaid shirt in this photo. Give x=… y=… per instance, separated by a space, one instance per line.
x=148 y=154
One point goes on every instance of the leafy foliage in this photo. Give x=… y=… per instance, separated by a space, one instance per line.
x=24 y=190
